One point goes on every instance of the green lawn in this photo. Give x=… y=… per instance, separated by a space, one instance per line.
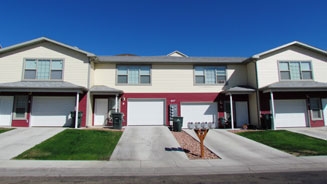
x=294 y=143
x=75 y=145
x=5 y=129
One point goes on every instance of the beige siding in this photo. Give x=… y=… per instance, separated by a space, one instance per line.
x=252 y=79
x=253 y=109
x=268 y=67
x=236 y=75
x=168 y=78
x=75 y=64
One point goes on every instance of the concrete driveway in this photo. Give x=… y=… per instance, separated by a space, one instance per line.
x=16 y=141
x=237 y=149
x=152 y=143
x=317 y=132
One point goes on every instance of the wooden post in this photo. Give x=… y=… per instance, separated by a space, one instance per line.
x=201 y=133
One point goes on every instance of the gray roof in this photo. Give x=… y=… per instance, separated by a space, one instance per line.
x=102 y=89
x=169 y=59
x=40 y=86
x=239 y=90
x=295 y=86
x=44 y=39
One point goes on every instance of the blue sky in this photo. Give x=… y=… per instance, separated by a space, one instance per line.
x=158 y=27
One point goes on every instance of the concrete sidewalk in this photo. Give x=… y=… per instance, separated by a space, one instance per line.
x=155 y=168
x=16 y=141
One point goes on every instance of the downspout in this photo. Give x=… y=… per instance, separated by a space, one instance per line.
x=272 y=103
x=231 y=111
x=116 y=102
x=76 y=109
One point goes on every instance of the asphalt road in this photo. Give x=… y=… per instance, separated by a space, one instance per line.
x=319 y=177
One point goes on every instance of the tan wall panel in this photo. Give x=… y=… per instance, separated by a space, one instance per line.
x=75 y=64
x=165 y=78
x=268 y=67
x=251 y=75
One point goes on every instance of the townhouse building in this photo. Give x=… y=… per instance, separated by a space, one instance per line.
x=42 y=81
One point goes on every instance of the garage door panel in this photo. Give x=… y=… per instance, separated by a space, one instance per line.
x=290 y=113
x=199 y=112
x=145 y=112
x=6 y=107
x=52 y=111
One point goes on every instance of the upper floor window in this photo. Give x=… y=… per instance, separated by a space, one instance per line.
x=210 y=74
x=43 y=69
x=133 y=74
x=295 y=70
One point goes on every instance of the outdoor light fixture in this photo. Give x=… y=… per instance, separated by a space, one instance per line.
x=201 y=130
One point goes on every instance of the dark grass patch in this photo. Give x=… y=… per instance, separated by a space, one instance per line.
x=75 y=145
x=293 y=143
x=2 y=130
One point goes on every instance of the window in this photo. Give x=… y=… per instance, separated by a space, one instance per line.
x=210 y=74
x=43 y=69
x=295 y=70
x=20 y=108
x=315 y=107
x=129 y=74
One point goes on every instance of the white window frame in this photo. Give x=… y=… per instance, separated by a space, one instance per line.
x=206 y=67
x=289 y=70
x=50 y=69
x=128 y=71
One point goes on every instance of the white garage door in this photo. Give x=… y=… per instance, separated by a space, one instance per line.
x=52 y=111
x=290 y=113
x=145 y=112
x=6 y=106
x=199 y=112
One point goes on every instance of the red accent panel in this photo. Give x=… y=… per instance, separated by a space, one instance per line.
x=171 y=98
x=20 y=123
x=317 y=123
x=82 y=108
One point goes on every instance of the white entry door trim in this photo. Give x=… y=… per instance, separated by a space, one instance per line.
x=100 y=111
x=242 y=113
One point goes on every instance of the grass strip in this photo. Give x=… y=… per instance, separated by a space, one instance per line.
x=293 y=143
x=74 y=144
x=2 y=130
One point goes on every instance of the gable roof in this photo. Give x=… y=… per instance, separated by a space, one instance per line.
x=44 y=39
x=177 y=53
x=294 y=43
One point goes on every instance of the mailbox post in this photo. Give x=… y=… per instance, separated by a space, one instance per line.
x=201 y=130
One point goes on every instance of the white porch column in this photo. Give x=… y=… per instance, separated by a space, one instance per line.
x=76 y=109
x=116 y=103
x=231 y=111
x=272 y=107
